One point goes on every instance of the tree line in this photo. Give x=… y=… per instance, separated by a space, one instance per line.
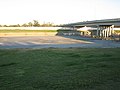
x=34 y=23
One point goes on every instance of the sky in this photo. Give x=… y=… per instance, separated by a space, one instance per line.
x=57 y=11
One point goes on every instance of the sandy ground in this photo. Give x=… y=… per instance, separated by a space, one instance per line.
x=55 y=42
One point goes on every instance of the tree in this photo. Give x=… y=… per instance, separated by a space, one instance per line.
x=30 y=24
x=48 y=24
x=5 y=26
x=18 y=25
x=24 y=25
x=36 y=23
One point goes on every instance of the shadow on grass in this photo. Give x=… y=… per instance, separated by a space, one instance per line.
x=9 y=64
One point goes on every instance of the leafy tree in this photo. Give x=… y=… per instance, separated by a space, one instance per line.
x=48 y=24
x=30 y=24
x=24 y=25
x=5 y=26
x=14 y=25
x=18 y=25
x=36 y=23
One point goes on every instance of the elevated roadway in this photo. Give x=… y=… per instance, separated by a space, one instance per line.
x=105 y=28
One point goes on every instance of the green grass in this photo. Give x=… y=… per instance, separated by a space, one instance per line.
x=22 y=31
x=60 y=69
x=117 y=31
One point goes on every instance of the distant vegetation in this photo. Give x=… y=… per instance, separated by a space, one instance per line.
x=34 y=23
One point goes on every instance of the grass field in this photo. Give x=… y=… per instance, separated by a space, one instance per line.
x=117 y=31
x=22 y=31
x=60 y=69
x=18 y=30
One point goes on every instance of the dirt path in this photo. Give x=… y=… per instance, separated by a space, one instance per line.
x=55 y=42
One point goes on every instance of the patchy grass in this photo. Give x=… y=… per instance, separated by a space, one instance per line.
x=60 y=69
x=117 y=31
x=22 y=31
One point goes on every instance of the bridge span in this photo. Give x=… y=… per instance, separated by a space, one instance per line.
x=105 y=28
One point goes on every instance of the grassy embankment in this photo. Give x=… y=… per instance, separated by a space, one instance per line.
x=15 y=31
x=60 y=69
x=33 y=32
x=117 y=31
x=22 y=31
x=9 y=31
x=27 y=33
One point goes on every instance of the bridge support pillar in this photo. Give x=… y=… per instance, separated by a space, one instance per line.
x=74 y=28
x=112 y=31
x=98 y=28
x=105 y=31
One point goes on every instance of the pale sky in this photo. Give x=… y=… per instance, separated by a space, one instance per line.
x=57 y=11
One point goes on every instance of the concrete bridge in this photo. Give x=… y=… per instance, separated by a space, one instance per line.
x=105 y=28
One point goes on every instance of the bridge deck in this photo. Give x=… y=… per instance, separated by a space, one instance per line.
x=115 y=22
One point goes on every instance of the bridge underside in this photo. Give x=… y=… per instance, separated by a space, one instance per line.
x=104 y=28
x=102 y=31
